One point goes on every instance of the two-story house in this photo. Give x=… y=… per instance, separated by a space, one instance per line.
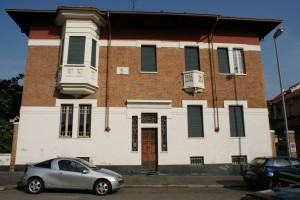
x=292 y=105
x=143 y=91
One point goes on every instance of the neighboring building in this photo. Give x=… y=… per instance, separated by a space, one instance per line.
x=140 y=91
x=292 y=105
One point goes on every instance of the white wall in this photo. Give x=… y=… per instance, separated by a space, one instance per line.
x=39 y=136
x=5 y=159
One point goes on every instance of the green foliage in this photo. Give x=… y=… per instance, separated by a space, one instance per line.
x=10 y=102
x=5 y=136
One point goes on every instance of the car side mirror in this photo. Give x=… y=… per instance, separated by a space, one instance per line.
x=85 y=171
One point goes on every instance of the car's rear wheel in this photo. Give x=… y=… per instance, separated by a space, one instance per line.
x=35 y=186
x=102 y=187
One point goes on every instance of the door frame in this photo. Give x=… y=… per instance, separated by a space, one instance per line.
x=156 y=148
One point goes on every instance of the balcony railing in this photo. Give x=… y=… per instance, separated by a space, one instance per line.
x=193 y=81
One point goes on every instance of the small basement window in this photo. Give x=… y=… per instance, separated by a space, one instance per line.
x=87 y=159
x=197 y=160
x=236 y=160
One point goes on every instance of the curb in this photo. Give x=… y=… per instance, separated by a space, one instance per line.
x=11 y=187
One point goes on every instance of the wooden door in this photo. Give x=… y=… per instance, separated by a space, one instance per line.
x=149 y=149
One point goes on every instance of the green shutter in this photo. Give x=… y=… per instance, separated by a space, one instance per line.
x=223 y=60
x=93 y=56
x=149 y=58
x=236 y=118
x=76 y=50
x=195 y=121
x=192 y=58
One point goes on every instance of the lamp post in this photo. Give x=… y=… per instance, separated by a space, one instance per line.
x=278 y=32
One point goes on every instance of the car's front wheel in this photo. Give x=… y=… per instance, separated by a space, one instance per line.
x=102 y=187
x=35 y=186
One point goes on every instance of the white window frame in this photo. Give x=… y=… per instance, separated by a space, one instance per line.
x=85 y=113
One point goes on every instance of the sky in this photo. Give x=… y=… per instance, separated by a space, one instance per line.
x=13 y=48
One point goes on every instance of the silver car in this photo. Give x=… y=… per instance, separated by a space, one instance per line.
x=70 y=173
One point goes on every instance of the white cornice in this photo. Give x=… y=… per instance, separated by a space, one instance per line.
x=80 y=14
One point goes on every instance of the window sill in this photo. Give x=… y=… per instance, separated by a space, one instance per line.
x=148 y=72
x=233 y=74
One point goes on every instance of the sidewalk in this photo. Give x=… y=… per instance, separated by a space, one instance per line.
x=10 y=181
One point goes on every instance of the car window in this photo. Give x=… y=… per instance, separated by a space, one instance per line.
x=281 y=163
x=295 y=163
x=44 y=164
x=71 y=166
x=258 y=161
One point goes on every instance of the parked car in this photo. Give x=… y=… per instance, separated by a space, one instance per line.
x=70 y=173
x=286 y=193
x=259 y=172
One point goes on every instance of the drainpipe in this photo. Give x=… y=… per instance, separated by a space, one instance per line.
x=213 y=73
x=107 y=128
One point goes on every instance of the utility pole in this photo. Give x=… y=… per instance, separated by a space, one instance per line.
x=133 y=4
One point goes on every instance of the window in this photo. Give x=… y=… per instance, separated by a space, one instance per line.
x=191 y=58
x=281 y=163
x=236 y=121
x=197 y=160
x=61 y=55
x=195 y=121
x=134 y=133
x=223 y=61
x=85 y=120
x=71 y=166
x=87 y=159
x=236 y=160
x=44 y=164
x=76 y=50
x=148 y=59
x=149 y=118
x=66 y=121
x=238 y=57
x=164 y=145
x=93 y=55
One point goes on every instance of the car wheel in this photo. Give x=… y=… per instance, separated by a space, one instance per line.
x=102 y=187
x=35 y=186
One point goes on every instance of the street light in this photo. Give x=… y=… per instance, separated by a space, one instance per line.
x=278 y=32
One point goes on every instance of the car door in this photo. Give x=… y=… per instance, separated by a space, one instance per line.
x=73 y=175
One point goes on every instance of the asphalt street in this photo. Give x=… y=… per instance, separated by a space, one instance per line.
x=133 y=194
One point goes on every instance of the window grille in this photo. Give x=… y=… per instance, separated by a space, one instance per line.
x=236 y=160
x=164 y=145
x=149 y=118
x=134 y=133
x=66 y=121
x=197 y=160
x=85 y=120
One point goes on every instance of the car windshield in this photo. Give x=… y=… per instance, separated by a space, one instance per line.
x=87 y=163
x=258 y=161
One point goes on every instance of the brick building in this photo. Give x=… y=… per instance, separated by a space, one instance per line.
x=292 y=104
x=141 y=91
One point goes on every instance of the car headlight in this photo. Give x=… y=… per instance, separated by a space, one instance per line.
x=120 y=180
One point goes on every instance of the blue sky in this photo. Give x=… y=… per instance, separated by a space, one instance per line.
x=13 y=48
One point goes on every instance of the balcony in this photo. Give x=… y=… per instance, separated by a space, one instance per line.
x=77 y=80
x=193 y=81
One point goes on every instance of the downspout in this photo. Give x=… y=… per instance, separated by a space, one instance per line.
x=107 y=128
x=213 y=73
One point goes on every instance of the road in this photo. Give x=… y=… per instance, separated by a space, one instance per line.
x=134 y=193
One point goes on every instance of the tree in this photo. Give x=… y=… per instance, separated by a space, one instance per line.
x=10 y=102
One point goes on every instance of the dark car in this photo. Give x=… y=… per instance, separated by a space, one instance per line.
x=260 y=171
x=286 y=193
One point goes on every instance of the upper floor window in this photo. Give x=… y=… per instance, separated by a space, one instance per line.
x=195 y=121
x=148 y=55
x=223 y=61
x=191 y=58
x=238 y=57
x=93 y=53
x=85 y=120
x=236 y=117
x=231 y=61
x=76 y=50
